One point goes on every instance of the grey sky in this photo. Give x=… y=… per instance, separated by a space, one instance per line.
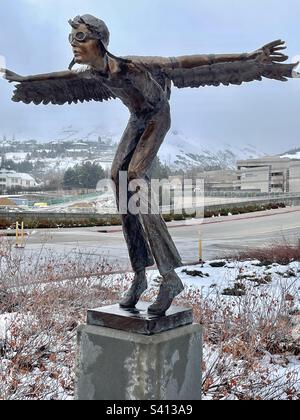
x=34 y=40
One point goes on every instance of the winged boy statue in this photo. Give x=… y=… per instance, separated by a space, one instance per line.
x=143 y=84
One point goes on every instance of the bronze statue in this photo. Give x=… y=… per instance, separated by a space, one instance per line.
x=143 y=84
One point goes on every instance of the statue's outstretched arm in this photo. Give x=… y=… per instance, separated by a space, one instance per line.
x=268 y=53
x=207 y=70
x=230 y=73
x=10 y=76
x=58 y=88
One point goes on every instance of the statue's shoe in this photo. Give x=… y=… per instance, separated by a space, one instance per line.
x=139 y=285
x=170 y=288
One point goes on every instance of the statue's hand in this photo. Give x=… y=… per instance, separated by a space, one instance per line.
x=270 y=53
x=11 y=76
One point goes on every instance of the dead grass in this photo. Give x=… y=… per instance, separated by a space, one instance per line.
x=279 y=252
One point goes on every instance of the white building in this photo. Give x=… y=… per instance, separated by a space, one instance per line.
x=221 y=180
x=270 y=174
x=12 y=179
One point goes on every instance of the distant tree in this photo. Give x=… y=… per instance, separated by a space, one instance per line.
x=86 y=176
x=159 y=170
x=9 y=164
x=25 y=167
x=39 y=165
x=70 y=179
x=3 y=160
x=53 y=180
x=90 y=174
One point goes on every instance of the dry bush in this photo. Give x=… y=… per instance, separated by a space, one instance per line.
x=38 y=348
x=247 y=342
x=281 y=252
x=38 y=330
x=19 y=267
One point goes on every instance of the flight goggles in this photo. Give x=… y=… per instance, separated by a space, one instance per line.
x=81 y=36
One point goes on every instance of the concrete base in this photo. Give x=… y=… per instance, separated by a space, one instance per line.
x=117 y=365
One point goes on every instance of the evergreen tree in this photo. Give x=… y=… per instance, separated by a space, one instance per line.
x=90 y=174
x=159 y=170
x=70 y=179
x=86 y=176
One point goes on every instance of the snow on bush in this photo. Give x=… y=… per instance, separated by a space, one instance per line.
x=250 y=314
x=252 y=338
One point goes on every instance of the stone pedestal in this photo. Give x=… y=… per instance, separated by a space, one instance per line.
x=121 y=365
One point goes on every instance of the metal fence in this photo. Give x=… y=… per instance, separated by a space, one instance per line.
x=249 y=194
x=68 y=199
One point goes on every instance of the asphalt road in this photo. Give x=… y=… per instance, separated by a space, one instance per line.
x=220 y=236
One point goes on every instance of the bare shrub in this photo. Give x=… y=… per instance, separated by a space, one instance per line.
x=38 y=344
x=21 y=267
x=248 y=349
x=281 y=252
x=40 y=314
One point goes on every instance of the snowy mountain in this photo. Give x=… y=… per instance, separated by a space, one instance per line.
x=178 y=151
x=292 y=154
x=181 y=152
x=73 y=134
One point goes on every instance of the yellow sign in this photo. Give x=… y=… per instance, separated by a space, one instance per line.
x=40 y=204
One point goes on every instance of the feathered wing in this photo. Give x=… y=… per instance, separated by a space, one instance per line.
x=229 y=73
x=59 y=88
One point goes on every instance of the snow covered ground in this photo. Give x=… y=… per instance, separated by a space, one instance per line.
x=16 y=156
x=62 y=163
x=250 y=314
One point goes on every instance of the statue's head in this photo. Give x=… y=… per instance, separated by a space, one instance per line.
x=89 y=39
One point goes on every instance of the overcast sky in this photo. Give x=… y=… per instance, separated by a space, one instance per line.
x=34 y=39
